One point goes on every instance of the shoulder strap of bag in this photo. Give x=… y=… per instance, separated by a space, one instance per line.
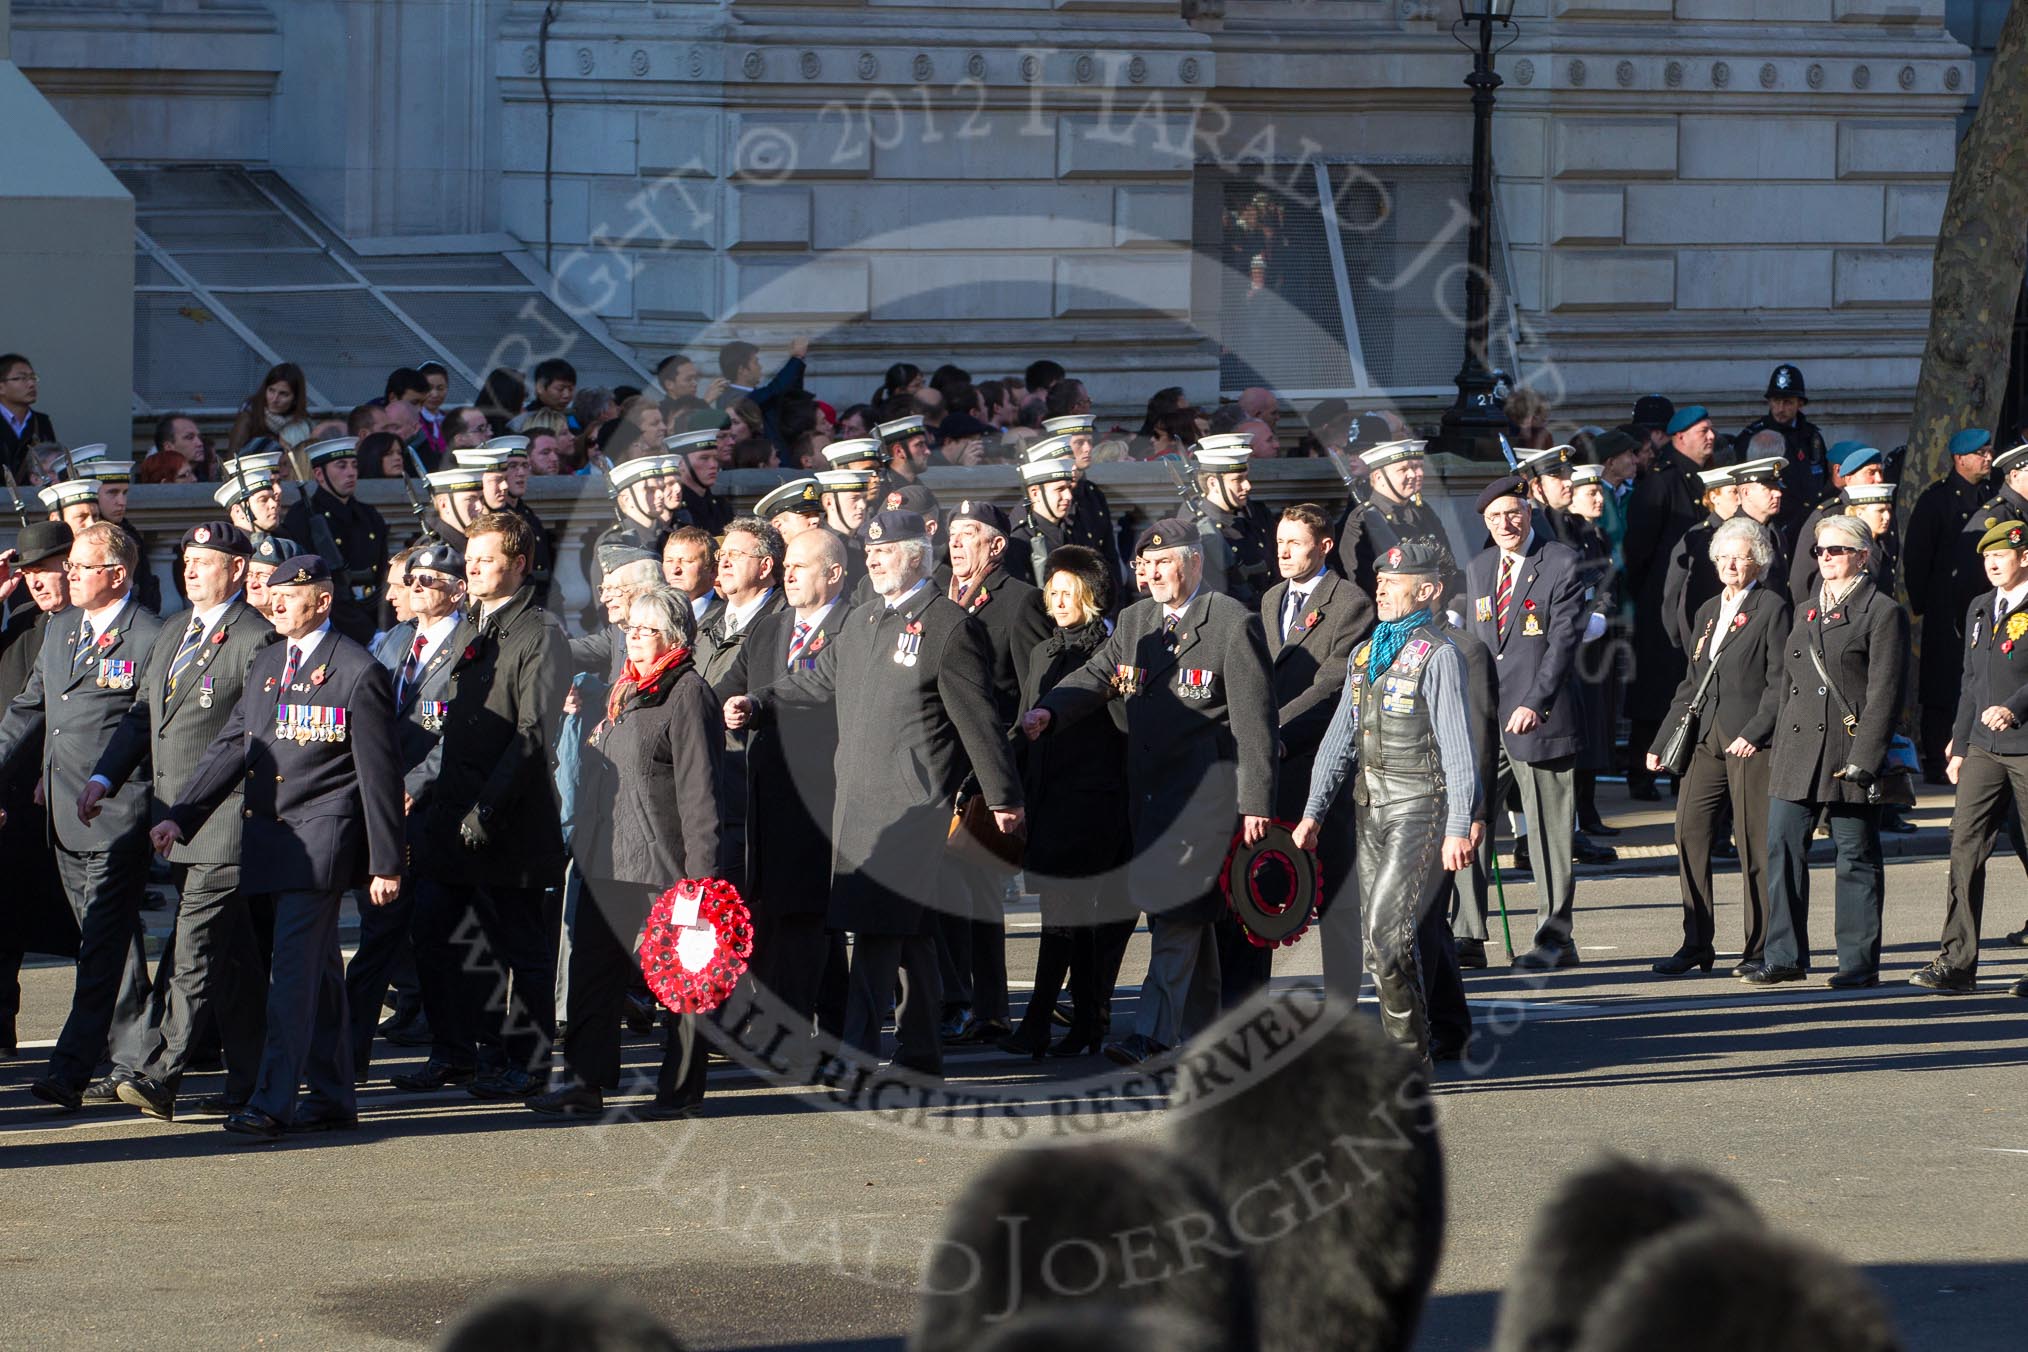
x=1837 y=696
x=1696 y=704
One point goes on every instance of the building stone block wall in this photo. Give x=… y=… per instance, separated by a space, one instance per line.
x=1688 y=190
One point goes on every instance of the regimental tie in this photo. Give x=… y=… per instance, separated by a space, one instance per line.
x=193 y=643
x=1505 y=595
x=797 y=640
x=410 y=665
x=1169 y=633
x=289 y=671
x=84 y=646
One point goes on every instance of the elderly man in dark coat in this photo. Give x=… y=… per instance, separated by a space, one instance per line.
x=1191 y=668
x=914 y=665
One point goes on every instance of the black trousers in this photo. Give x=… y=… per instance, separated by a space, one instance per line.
x=1713 y=783
x=1443 y=982
x=1087 y=957
x=1933 y=733
x=210 y=984
x=877 y=960
x=1989 y=789
x=972 y=939
x=790 y=955
x=384 y=948
x=603 y=966
x=1861 y=883
x=486 y=960
x=307 y=1043
x=111 y=1000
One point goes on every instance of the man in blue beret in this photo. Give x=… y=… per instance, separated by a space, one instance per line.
x=1940 y=566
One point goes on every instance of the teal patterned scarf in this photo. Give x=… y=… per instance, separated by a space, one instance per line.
x=1388 y=636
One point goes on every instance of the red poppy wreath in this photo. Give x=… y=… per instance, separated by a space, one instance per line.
x=693 y=968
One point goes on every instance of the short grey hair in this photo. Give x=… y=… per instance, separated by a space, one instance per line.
x=1855 y=531
x=1758 y=538
x=920 y=556
x=666 y=609
x=764 y=535
x=639 y=573
x=1766 y=444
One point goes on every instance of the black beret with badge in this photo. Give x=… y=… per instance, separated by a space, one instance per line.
x=1508 y=487
x=1411 y=556
x=304 y=570
x=985 y=513
x=896 y=527
x=219 y=536
x=273 y=550
x=1171 y=532
x=438 y=556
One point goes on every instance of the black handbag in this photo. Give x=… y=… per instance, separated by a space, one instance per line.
x=1892 y=785
x=1675 y=752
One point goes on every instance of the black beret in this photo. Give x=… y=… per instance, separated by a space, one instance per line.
x=304 y=570
x=438 y=556
x=1509 y=487
x=1171 y=532
x=1411 y=556
x=892 y=527
x=273 y=549
x=985 y=513
x=222 y=536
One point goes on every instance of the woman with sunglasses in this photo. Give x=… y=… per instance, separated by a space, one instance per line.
x=1842 y=684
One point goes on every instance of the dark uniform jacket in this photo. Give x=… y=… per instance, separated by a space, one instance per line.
x=1244 y=571
x=1036 y=537
x=1371 y=528
x=906 y=732
x=419 y=710
x=1199 y=710
x=352 y=538
x=318 y=815
x=147 y=586
x=719 y=653
x=707 y=511
x=1092 y=518
x=1308 y=674
x=1806 y=478
x=1663 y=505
x=36 y=917
x=73 y=716
x=542 y=564
x=647 y=811
x=1015 y=621
x=791 y=770
x=1746 y=691
x=170 y=733
x=1940 y=563
x=1533 y=659
x=1996 y=672
x=507 y=688
x=1864 y=642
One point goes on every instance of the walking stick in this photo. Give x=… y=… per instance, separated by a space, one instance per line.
x=1500 y=891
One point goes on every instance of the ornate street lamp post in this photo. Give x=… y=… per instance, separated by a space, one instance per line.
x=1472 y=426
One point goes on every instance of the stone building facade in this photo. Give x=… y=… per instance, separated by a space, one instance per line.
x=1156 y=192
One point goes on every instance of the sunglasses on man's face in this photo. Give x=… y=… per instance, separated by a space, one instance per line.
x=1833 y=551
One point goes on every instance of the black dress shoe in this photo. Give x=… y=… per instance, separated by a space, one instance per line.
x=102 y=1093
x=10 y=1044
x=1594 y=827
x=981 y=1032
x=322 y=1119
x=570 y=1100
x=1764 y=975
x=659 y=1109
x=407 y=1030
x=1853 y=981
x=150 y=1096
x=1587 y=851
x=1521 y=856
x=1892 y=821
x=1546 y=958
x=1936 y=975
x=433 y=1075
x=1027 y=1048
x=1448 y=1051
x=1472 y=953
x=217 y=1105
x=508 y=1082
x=2019 y=938
x=1724 y=849
x=58 y=1093
x=1133 y=1050
x=254 y=1122
x=1684 y=960
x=1747 y=965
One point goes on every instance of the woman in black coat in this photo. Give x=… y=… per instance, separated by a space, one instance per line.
x=647 y=816
x=1739 y=638
x=1823 y=767
x=1075 y=785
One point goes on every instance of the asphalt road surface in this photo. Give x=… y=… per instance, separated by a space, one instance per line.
x=1890 y=1125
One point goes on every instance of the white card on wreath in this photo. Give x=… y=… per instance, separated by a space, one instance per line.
x=683 y=907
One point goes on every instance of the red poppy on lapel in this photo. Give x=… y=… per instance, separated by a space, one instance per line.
x=914 y=627
x=1311 y=618
x=1528 y=605
x=109 y=638
x=814 y=646
x=1739 y=621
x=2007 y=645
x=317 y=677
x=219 y=637
x=1812 y=614
x=471 y=651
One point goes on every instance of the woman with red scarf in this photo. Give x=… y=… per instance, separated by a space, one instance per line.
x=647 y=816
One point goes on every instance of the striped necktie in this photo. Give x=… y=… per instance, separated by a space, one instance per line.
x=289 y=671
x=798 y=639
x=193 y=643
x=1505 y=595
x=84 y=645
x=410 y=666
